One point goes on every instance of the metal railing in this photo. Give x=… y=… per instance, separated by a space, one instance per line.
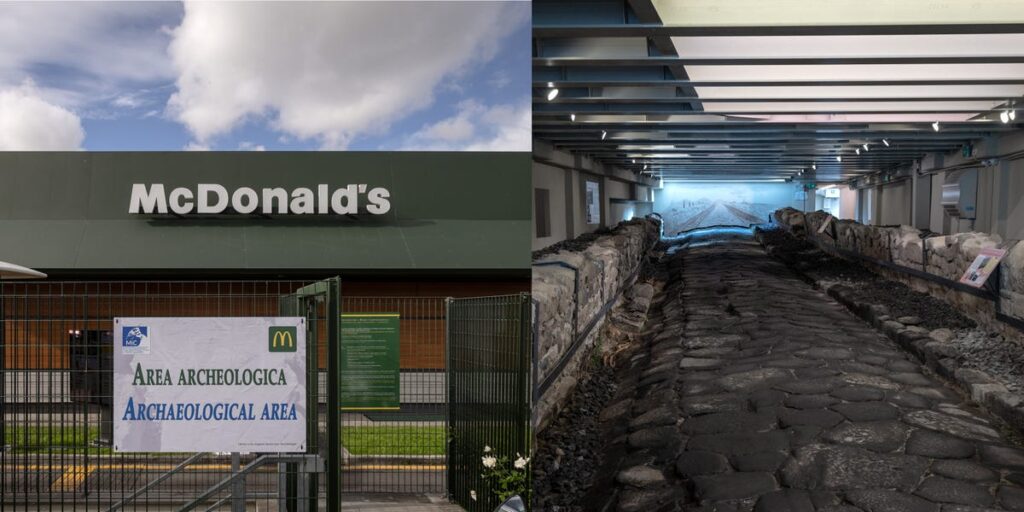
x=56 y=418
x=489 y=345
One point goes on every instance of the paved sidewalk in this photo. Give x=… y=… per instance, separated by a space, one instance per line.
x=757 y=392
x=372 y=503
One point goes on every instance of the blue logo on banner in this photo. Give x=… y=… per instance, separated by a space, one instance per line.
x=133 y=336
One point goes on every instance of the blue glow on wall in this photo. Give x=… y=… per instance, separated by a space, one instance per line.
x=686 y=206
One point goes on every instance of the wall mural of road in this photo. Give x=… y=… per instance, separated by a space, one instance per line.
x=697 y=205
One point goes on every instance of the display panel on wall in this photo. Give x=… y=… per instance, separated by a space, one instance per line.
x=686 y=206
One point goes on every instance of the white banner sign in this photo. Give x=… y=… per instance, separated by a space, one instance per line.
x=220 y=384
x=593 y=197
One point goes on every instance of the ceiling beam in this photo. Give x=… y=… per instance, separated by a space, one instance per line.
x=778 y=83
x=686 y=99
x=543 y=62
x=662 y=30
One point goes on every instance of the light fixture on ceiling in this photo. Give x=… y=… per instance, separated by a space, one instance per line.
x=572 y=117
x=935 y=126
x=645 y=167
x=604 y=134
x=1013 y=115
x=839 y=158
x=858 y=151
x=1004 y=116
x=866 y=148
x=634 y=160
x=886 y=142
x=552 y=93
x=814 y=167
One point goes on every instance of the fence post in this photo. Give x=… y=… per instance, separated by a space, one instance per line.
x=333 y=312
x=448 y=441
x=238 y=487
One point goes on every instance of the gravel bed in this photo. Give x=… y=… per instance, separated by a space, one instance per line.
x=901 y=300
x=568 y=451
x=1001 y=358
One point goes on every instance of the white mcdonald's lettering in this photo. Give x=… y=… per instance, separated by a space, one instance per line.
x=212 y=199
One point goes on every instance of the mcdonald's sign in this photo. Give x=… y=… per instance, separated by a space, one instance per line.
x=282 y=339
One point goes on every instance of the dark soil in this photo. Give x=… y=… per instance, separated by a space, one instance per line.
x=568 y=451
x=870 y=287
x=903 y=301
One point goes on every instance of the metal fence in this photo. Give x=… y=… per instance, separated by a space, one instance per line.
x=56 y=418
x=402 y=451
x=489 y=341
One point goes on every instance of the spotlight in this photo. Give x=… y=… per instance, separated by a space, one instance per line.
x=858 y=151
x=866 y=147
x=1013 y=115
x=552 y=94
x=604 y=134
x=935 y=126
x=572 y=117
x=814 y=167
x=1004 y=116
x=886 y=142
x=645 y=167
x=634 y=160
x=839 y=158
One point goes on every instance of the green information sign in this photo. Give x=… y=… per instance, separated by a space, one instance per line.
x=369 y=362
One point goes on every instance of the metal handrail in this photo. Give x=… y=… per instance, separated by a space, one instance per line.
x=138 y=492
x=248 y=468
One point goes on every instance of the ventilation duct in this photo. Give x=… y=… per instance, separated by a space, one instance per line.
x=960 y=193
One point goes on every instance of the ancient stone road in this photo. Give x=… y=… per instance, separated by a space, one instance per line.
x=756 y=392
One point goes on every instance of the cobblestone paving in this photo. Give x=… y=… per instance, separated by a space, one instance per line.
x=756 y=392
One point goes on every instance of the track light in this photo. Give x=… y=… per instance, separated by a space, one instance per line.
x=935 y=126
x=552 y=93
x=814 y=167
x=604 y=134
x=839 y=158
x=858 y=151
x=572 y=117
x=1013 y=115
x=645 y=167
x=634 y=160
x=1004 y=116
x=886 y=142
x=866 y=148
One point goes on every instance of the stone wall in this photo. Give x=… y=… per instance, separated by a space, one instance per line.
x=944 y=256
x=604 y=268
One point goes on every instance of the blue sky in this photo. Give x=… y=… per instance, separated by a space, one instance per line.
x=274 y=76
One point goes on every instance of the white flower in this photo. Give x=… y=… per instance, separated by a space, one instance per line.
x=487 y=449
x=489 y=461
x=521 y=463
x=472 y=494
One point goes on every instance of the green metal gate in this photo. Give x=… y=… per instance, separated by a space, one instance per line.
x=489 y=342
x=56 y=396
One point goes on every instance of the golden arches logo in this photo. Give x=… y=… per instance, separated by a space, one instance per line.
x=282 y=339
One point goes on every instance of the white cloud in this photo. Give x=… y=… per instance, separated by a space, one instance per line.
x=127 y=101
x=476 y=127
x=500 y=79
x=30 y=123
x=196 y=146
x=326 y=71
x=81 y=52
x=250 y=146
